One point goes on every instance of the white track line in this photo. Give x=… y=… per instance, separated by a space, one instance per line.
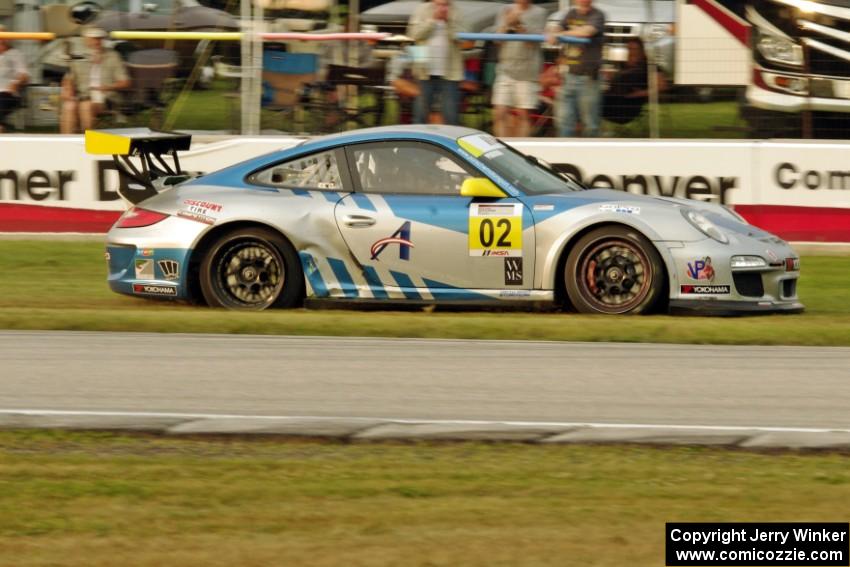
x=648 y=426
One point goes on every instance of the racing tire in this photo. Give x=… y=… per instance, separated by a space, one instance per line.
x=614 y=270
x=251 y=269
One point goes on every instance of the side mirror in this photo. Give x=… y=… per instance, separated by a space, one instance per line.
x=480 y=187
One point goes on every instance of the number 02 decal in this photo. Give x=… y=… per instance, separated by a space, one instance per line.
x=495 y=230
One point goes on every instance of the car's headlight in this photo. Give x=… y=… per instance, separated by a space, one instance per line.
x=780 y=50
x=748 y=262
x=704 y=225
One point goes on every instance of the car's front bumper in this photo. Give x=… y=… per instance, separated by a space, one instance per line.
x=702 y=279
x=725 y=307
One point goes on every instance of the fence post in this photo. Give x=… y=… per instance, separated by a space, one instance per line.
x=652 y=63
x=248 y=73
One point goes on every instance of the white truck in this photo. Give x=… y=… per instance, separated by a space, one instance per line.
x=791 y=58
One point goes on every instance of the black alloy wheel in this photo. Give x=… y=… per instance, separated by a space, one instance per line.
x=251 y=269
x=614 y=270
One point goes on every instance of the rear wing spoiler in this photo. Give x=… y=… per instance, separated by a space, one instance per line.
x=149 y=148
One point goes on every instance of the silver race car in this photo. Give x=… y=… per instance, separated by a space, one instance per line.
x=429 y=214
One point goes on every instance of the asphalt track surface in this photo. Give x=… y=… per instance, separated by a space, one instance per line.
x=794 y=387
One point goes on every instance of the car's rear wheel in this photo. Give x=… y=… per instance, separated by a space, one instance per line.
x=251 y=269
x=613 y=270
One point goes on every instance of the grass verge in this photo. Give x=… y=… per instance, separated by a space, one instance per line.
x=99 y=499
x=61 y=285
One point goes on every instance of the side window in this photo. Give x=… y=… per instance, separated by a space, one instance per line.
x=316 y=171
x=408 y=168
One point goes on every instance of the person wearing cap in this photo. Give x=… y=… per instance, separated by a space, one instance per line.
x=581 y=88
x=13 y=77
x=91 y=83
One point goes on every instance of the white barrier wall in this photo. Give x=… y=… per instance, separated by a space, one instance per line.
x=56 y=171
x=799 y=190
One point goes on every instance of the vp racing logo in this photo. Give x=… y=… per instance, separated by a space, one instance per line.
x=701 y=269
x=400 y=237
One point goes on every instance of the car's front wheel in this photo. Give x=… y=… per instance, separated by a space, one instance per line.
x=613 y=270
x=251 y=269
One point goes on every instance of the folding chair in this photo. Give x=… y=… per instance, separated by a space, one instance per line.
x=327 y=103
x=152 y=82
x=285 y=76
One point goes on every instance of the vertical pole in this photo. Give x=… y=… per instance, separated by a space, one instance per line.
x=246 y=46
x=27 y=18
x=257 y=70
x=806 y=125
x=354 y=51
x=652 y=72
x=353 y=25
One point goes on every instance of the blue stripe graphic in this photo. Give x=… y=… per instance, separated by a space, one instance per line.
x=363 y=202
x=311 y=270
x=445 y=291
x=406 y=285
x=301 y=192
x=345 y=281
x=449 y=212
x=375 y=283
x=331 y=196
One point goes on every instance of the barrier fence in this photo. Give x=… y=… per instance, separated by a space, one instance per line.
x=313 y=83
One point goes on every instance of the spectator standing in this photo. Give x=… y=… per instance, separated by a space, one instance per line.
x=580 y=91
x=516 y=87
x=433 y=27
x=13 y=77
x=91 y=83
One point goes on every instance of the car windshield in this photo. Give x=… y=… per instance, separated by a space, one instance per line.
x=528 y=174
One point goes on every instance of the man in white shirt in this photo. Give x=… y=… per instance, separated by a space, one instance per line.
x=517 y=75
x=13 y=77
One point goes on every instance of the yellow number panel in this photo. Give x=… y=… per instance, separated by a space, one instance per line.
x=495 y=229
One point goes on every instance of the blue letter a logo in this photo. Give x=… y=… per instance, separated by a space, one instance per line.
x=400 y=237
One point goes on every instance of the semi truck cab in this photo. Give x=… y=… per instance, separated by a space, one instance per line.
x=792 y=57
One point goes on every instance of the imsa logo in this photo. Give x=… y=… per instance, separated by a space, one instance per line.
x=513 y=271
x=170 y=269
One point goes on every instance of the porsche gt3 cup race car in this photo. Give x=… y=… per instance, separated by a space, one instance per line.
x=425 y=214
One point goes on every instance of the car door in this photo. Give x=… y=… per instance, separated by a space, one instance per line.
x=408 y=226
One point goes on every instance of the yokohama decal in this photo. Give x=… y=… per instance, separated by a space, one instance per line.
x=705 y=289
x=151 y=289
